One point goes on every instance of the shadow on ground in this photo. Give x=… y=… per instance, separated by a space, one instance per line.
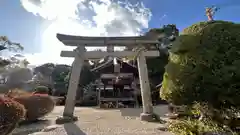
x=160 y=110
x=73 y=129
x=31 y=127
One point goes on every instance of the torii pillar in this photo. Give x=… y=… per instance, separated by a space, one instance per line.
x=147 y=114
x=80 y=55
x=70 y=101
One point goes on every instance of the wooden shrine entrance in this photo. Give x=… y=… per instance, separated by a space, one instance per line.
x=80 y=54
x=113 y=95
x=118 y=83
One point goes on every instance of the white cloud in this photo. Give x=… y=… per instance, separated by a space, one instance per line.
x=86 y=18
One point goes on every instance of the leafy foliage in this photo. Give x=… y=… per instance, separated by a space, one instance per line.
x=11 y=112
x=45 y=69
x=196 y=127
x=41 y=90
x=60 y=72
x=156 y=67
x=11 y=46
x=86 y=76
x=5 y=43
x=166 y=35
x=89 y=94
x=203 y=69
x=37 y=106
x=17 y=77
x=203 y=66
x=54 y=75
x=4 y=62
x=16 y=93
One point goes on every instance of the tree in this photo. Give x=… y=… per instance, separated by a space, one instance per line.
x=46 y=71
x=156 y=65
x=166 y=35
x=24 y=63
x=5 y=43
x=86 y=76
x=17 y=77
x=16 y=73
x=4 y=62
x=60 y=72
x=10 y=67
x=156 y=68
x=16 y=62
x=204 y=67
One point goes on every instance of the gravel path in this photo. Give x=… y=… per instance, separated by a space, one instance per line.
x=93 y=121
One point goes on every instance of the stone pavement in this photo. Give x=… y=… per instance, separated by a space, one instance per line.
x=93 y=121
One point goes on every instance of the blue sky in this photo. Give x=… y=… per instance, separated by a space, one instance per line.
x=22 y=26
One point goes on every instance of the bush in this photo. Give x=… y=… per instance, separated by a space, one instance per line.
x=204 y=66
x=16 y=93
x=195 y=127
x=37 y=106
x=41 y=90
x=11 y=112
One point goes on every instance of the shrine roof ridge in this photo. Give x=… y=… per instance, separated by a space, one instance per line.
x=72 y=40
x=109 y=61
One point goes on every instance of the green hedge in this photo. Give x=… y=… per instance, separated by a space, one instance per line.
x=204 y=65
x=41 y=90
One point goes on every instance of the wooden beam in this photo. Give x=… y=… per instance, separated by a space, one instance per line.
x=106 y=43
x=122 y=75
x=116 y=99
x=69 y=40
x=97 y=54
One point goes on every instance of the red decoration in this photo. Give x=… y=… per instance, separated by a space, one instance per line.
x=5 y=100
x=38 y=94
x=209 y=13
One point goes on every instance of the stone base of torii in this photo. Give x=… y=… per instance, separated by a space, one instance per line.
x=80 y=55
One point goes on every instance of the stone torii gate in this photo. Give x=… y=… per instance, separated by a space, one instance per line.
x=80 y=55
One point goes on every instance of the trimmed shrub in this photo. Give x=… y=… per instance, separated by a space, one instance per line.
x=37 y=106
x=195 y=127
x=11 y=112
x=203 y=69
x=204 y=66
x=41 y=90
x=16 y=93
